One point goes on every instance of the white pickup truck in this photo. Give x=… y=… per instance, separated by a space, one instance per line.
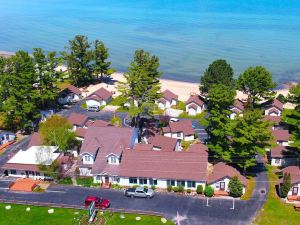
x=139 y=192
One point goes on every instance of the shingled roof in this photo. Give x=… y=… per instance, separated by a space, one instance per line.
x=169 y=95
x=281 y=135
x=73 y=89
x=184 y=126
x=35 y=140
x=162 y=142
x=294 y=171
x=100 y=94
x=195 y=99
x=77 y=119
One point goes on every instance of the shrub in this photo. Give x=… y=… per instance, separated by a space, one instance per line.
x=116 y=121
x=235 y=187
x=66 y=180
x=136 y=186
x=116 y=186
x=169 y=188
x=286 y=185
x=188 y=191
x=175 y=189
x=199 y=189
x=208 y=191
x=84 y=181
x=146 y=187
x=180 y=189
x=153 y=187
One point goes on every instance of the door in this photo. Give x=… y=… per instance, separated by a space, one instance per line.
x=222 y=186
x=27 y=173
x=106 y=179
x=295 y=191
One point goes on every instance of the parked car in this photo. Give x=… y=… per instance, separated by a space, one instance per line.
x=139 y=192
x=99 y=202
x=173 y=119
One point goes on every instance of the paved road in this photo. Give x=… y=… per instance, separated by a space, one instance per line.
x=194 y=210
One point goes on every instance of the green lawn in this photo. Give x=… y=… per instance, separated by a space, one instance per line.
x=274 y=211
x=18 y=215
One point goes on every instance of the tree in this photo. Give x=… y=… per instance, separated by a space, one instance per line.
x=199 y=189
x=219 y=72
x=250 y=135
x=286 y=185
x=257 y=83
x=220 y=98
x=79 y=60
x=53 y=170
x=57 y=131
x=142 y=86
x=47 y=77
x=101 y=66
x=208 y=191
x=235 y=187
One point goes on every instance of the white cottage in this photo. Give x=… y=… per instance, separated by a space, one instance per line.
x=69 y=95
x=168 y=99
x=182 y=130
x=274 y=108
x=97 y=99
x=194 y=105
x=237 y=109
x=294 y=193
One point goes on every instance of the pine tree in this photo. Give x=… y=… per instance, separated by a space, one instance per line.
x=286 y=185
x=101 y=66
x=235 y=187
x=142 y=86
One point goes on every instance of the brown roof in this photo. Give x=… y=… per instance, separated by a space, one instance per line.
x=195 y=99
x=35 y=140
x=89 y=123
x=102 y=93
x=281 y=135
x=143 y=147
x=199 y=148
x=238 y=104
x=164 y=165
x=274 y=119
x=73 y=89
x=77 y=119
x=221 y=170
x=80 y=132
x=184 y=126
x=17 y=166
x=279 y=152
x=278 y=104
x=162 y=100
x=100 y=123
x=295 y=173
x=165 y=143
x=169 y=95
x=193 y=106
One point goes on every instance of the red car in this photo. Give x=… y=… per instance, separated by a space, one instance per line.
x=100 y=203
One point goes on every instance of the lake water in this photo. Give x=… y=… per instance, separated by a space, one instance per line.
x=187 y=35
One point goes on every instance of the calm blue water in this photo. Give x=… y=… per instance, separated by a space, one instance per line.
x=187 y=35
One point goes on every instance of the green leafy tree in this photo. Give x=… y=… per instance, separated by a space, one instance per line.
x=219 y=72
x=57 y=131
x=47 y=77
x=142 y=86
x=235 y=187
x=101 y=66
x=257 y=83
x=220 y=98
x=53 y=170
x=250 y=135
x=79 y=58
x=286 y=185
x=199 y=189
x=208 y=191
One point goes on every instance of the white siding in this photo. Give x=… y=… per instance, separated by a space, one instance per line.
x=216 y=185
x=295 y=185
x=87 y=159
x=85 y=172
x=278 y=112
x=22 y=173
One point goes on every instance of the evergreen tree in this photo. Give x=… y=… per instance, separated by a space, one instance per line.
x=47 y=77
x=257 y=83
x=235 y=187
x=286 y=185
x=220 y=98
x=142 y=86
x=250 y=135
x=101 y=66
x=219 y=72
x=79 y=60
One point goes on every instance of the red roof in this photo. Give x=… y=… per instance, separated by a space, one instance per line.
x=278 y=104
x=80 y=132
x=184 y=126
x=193 y=106
x=143 y=147
x=17 y=166
x=162 y=100
x=279 y=152
x=199 y=148
x=165 y=143
x=281 y=135
x=295 y=173
x=35 y=140
x=77 y=119
x=102 y=94
x=274 y=119
x=100 y=123
x=89 y=123
x=222 y=170
x=163 y=165
x=195 y=99
x=73 y=89
x=169 y=95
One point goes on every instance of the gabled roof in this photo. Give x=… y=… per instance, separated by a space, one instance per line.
x=238 y=104
x=275 y=103
x=193 y=106
x=164 y=165
x=73 y=89
x=279 y=151
x=101 y=93
x=294 y=171
x=184 y=126
x=221 y=170
x=165 y=143
x=199 y=148
x=100 y=123
x=80 y=132
x=195 y=99
x=274 y=119
x=169 y=95
x=35 y=140
x=143 y=147
x=91 y=146
x=281 y=135
x=77 y=119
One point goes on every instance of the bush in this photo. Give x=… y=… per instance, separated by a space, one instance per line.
x=84 y=106
x=199 y=189
x=189 y=191
x=146 y=187
x=136 y=186
x=286 y=185
x=169 y=188
x=175 y=189
x=235 y=187
x=116 y=121
x=84 y=181
x=153 y=187
x=180 y=189
x=116 y=186
x=208 y=191
x=66 y=180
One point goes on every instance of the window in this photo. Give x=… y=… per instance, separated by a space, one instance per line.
x=13 y=172
x=86 y=158
x=98 y=177
x=132 y=180
x=295 y=191
x=277 y=161
x=178 y=134
x=37 y=174
x=113 y=160
x=171 y=182
x=143 y=181
x=153 y=181
x=181 y=183
x=191 y=184
x=222 y=186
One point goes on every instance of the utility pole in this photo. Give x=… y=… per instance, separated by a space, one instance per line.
x=232 y=204
x=207 y=202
